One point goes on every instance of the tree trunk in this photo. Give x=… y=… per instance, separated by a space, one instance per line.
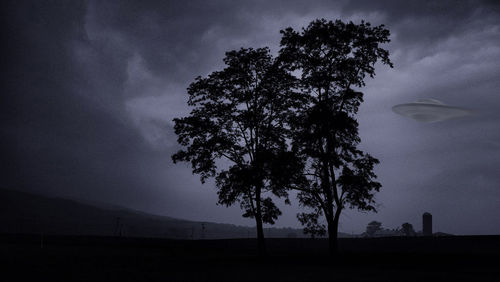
x=261 y=243
x=333 y=228
x=332 y=238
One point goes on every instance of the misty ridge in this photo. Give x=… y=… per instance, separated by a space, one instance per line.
x=26 y=213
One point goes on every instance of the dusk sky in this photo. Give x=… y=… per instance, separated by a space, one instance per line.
x=90 y=88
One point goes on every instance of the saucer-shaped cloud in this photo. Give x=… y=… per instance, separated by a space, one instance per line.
x=429 y=110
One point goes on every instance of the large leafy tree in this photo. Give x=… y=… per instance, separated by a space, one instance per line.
x=372 y=228
x=237 y=132
x=331 y=60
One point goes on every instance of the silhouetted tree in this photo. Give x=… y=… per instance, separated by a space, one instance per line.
x=239 y=116
x=372 y=228
x=332 y=59
x=407 y=229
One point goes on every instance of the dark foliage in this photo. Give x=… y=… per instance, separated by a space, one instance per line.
x=372 y=228
x=240 y=117
x=407 y=229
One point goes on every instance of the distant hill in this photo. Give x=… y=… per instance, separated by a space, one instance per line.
x=22 y=212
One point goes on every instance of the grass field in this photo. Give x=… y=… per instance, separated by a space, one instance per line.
x=79 y=258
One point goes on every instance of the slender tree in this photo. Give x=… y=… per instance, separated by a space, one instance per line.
x=331 y=60
x=237 y=133
x=372 y=228
x=407 y=229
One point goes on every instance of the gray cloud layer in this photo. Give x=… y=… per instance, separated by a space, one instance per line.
x=89 y=90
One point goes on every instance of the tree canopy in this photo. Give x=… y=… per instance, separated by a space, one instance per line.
x=407 y=229
x=239 y=117
x=373 y=227
x=332 y=60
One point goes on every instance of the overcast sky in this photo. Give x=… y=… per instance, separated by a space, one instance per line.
x=89 y=90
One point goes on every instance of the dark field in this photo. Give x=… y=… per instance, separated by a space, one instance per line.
x=63 y=258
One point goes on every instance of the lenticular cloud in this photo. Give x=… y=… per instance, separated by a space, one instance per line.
x=430 y=110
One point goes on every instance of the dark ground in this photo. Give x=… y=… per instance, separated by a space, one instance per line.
x=73 y=258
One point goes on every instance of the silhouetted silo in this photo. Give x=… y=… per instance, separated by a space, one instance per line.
x=427 y=224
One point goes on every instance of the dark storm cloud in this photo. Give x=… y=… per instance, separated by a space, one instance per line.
x=89 y=90
x=64 y=129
